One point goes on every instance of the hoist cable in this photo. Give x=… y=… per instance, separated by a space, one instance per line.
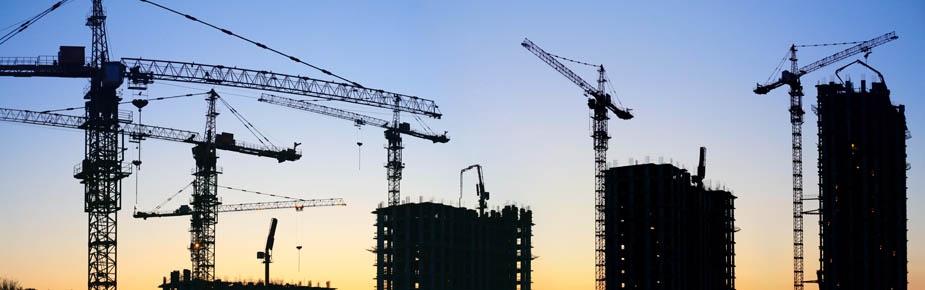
x=126 y=102
x=247 y=124
x=258 y=192
x=23 y=25
x=258 y=44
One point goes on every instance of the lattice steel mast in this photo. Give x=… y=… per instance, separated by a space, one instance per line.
x=601 y=140
x=205 y=200
x=101 y=171
x=394 y=164
x=796 y=142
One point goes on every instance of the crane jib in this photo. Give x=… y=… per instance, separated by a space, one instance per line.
x=360 y=119
x=793 y=78
x=142 y=131
x=145 y=71
x=142 y=72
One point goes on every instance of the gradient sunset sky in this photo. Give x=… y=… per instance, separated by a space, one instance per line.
x=686 y=69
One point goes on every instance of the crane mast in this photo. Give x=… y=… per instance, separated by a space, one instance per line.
x=796 y=142
x=791 y=78
x=601 y=142
x=205 y=200
x=394 y=164
x=101 y=170
x=599 y=101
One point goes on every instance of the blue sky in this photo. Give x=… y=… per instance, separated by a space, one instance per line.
x=686 y=69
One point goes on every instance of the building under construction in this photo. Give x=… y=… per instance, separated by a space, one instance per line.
x=665 y=230
x=434 y=246
x=862 y=185
x=186 y=282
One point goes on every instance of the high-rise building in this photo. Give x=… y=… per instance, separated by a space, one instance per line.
x=435 y=246
x=862 y=185
x=665 y=230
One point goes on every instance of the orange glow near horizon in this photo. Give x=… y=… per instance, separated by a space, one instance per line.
x=687 y=71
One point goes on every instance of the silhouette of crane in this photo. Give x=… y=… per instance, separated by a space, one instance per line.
x=102 y=168
x=791 y=78
x=205 y=199
x=143 y=131
x=393 y=131
x=298 y=205
x=479 y=188
x=600 y=102
x=266 y=254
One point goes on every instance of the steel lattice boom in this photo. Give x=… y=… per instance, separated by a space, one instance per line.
x=144 y=71
x=145 y=131
x=598 y=94
x=795 y=73
x=252 y=206
x=358 y=119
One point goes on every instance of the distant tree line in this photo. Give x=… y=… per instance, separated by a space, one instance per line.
x=9 y=284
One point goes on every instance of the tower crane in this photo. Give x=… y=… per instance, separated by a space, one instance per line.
x=479 y=187
x=393 y=131
x=204 y=214
x=142 y=72
x=102 y=168
x=600 y=102
x=186 y=210
x=791 y=78
x=205 y=201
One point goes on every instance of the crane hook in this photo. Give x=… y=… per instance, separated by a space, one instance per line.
x=359 y=146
